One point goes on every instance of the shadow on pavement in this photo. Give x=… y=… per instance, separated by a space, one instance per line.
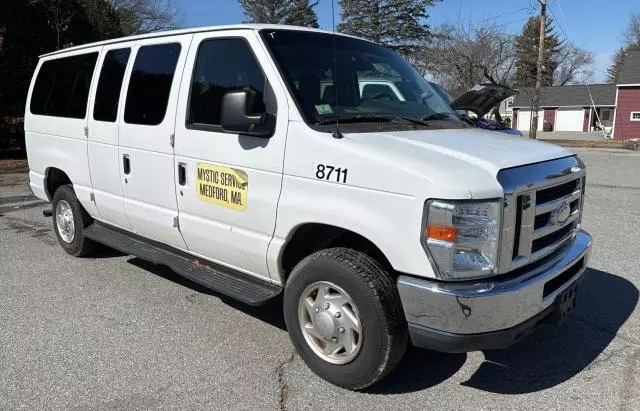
x=419 y=370
x=556 y=354
x=106 y=252
x=543 y=360
x=270 y=313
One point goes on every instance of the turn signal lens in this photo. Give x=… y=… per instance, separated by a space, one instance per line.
x=442 y=233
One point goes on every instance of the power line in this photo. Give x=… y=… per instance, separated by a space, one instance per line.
x=502 y=15
x=571 y=42
x=566 y=34
x=564 y=21
x=513 y=21
x=595 y=111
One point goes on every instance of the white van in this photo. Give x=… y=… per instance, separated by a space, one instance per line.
x=213 y=151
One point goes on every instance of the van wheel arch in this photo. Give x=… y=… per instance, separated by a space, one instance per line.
x=54 y=179
x=312 y=237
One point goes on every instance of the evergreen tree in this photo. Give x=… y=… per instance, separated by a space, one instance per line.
x=398 y=24
x=303 y=14
x=631 y=42
x=527 y=53
x=618 y=60
x=293 y=12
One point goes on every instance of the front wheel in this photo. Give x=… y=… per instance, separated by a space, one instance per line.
x=69 y=222
x=344 y=317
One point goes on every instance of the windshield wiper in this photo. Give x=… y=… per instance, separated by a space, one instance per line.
x=371 y=119
x=355 y=119
x=437 y=116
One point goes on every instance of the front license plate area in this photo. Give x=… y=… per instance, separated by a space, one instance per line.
x=565 y=303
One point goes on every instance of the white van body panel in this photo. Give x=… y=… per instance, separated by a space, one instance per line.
x=237 y=239
x=390 y=176
x=58 y=142
x=149 y=190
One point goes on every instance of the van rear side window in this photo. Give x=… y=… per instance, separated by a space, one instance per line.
x=62 y=86
x=150 y=84
x=110 y=84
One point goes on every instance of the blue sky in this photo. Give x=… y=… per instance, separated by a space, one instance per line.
x=585 y=22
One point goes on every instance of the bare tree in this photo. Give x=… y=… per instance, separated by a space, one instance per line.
x=465 y=55
x=573 y=67
x=145 y=16
x=59 y=15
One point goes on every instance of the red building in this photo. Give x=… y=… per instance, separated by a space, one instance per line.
x=627 y=116
x=583 y=108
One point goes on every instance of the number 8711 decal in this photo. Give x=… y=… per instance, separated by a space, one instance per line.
x=331 y=173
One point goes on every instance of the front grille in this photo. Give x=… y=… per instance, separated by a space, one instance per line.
x=550 y=239
x=541 y=220
x=542 y=210
x=553 y=193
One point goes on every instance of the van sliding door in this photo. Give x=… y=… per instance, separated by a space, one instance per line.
x=104 y=111
x=145 y=138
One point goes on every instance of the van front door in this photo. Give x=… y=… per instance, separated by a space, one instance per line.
x=146 y=129
x=228 y=184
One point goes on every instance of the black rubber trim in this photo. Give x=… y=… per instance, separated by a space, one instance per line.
x=429 y=338
x=234 y=284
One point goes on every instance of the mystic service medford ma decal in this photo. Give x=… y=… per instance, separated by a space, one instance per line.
x=223 y=186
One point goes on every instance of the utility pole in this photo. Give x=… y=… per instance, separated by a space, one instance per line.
x=536 y=97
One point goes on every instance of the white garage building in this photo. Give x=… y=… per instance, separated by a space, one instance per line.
x=567 y=108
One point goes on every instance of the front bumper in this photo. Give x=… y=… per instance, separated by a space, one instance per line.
x=492 y=313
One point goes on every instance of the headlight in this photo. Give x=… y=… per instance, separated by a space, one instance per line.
x=462 y=238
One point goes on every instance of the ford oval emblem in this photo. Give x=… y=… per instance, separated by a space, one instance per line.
x=562 y=212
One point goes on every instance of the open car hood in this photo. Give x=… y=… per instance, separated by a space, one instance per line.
x=482 y=98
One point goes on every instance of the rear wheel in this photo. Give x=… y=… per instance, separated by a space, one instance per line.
x=69 y=222
x=344 y=316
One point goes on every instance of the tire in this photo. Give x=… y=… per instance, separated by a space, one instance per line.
x=73 y=241
x=384 y=336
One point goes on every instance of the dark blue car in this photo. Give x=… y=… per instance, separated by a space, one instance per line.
x=480 y=100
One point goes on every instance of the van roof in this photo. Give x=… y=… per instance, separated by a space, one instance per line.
x=189 y=31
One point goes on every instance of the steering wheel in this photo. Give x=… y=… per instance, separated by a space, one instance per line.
x=382 y=96
x=426 y=96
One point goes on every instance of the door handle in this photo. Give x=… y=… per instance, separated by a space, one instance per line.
x=182 y=174
x=126 y=164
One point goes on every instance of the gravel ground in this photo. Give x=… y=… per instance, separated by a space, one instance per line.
x=115 y=332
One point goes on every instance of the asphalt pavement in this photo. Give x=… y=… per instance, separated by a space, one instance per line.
x=114 y=332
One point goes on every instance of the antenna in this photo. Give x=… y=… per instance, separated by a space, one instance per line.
x=336 y=134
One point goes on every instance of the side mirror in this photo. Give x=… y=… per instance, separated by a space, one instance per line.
x=235 y=115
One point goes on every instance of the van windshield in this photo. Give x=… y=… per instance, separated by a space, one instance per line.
x=364 y=83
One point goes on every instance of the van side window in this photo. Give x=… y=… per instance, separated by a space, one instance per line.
x=110 y=84
x=223 y=65
x=150 y=84
x=62 y=86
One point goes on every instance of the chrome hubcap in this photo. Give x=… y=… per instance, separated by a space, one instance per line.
x=330 y=322
x=64 y=221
